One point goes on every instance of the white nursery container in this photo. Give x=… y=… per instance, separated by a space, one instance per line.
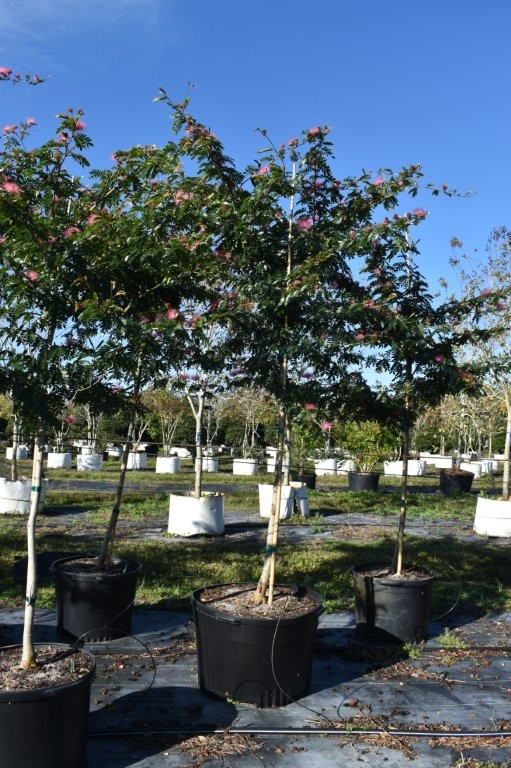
x=245 y=466
x=289 y=493
x=21 y=452
x=137 y=460
x=189 y=516
x=326 y=466
x=89 y=463
x=493 y=517
x=59 y=461
x=168 y=465
x=15 y=496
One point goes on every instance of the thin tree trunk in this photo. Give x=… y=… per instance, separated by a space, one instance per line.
x=198 y=412
x=108 y=539
x=507 y=446
x=15 y=444
x=28 y=658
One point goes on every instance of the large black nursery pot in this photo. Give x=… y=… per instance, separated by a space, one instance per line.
x=455 y=480
x=389 y=608
x=363 y=481
x=261 y=661
x=46 y=727
x=95 y=605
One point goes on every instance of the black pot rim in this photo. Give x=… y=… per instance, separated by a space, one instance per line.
x=361 y=568
x=58 y=566
x=34 y=694
x=366 y=474
x=255 y=621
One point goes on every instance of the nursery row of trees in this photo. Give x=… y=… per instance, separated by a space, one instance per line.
x=246 y=420
x=174 y=269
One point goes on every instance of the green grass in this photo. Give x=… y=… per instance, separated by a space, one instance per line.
x=473 y=577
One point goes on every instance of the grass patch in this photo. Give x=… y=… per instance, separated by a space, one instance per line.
x=473 y=576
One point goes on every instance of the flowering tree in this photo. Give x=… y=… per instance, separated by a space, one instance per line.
x=490 y=279
x=418 y=341
x=43 y=205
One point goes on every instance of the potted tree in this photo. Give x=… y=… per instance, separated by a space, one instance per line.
x=491 y=280
x=41 y=280
x=290 y=270
x=419 y=343
x=369 y=444
x=139 y=277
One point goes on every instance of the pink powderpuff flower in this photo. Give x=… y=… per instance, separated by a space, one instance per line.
x=92 y=217
x=360 y=336
x=316 y=131
x=377 y=271
x=5 y=71
x=51 y=239
x=69 y=341
x=304 y=224
x=420 y=213
x=3 y=240
x=80 y=125
x=69 y=419
x=500 y=306
x=30 y=121
x=439 y=358
x=70 y=231
x=32 y=275
x=485 y=292
x=378 y=181
x=263 y=169
x=9 y=128
x=326 y=425
x=310 y=407
x=293 y=142
x=171 y=314
x=11 y=188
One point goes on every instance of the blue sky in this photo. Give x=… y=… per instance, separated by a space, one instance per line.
x=399 y=82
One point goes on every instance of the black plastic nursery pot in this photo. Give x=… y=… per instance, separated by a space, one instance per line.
x=94 y=605
x=363 y=481
x=46 y=727
x=261 y=661
x=389 y=608
x=309 y=478
x=455 y=481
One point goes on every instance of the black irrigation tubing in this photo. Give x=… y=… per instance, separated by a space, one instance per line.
x=301 y=732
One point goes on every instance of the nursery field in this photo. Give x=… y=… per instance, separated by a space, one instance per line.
x=344 y=528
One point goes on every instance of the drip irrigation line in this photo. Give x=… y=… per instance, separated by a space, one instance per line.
x=301 y=732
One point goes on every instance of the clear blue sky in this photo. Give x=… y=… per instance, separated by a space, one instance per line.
x=398 y=81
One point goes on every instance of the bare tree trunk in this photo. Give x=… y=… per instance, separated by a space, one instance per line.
x=198 y=412
x=28 y=658
x=108 y=539
x=15 y=444
x=507 y=445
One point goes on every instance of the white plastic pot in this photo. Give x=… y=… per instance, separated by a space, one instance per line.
x=21 y=452
x=15 y=496
x=472 y=466
x=208 y=464
x=416 y=468
x=189 y=516
x=167 y=464
x=59 y=461
x=245 y=466
x=89 y=463
x=137 y=460
x=289 y=493
x=326 y=466
x=493 y=517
